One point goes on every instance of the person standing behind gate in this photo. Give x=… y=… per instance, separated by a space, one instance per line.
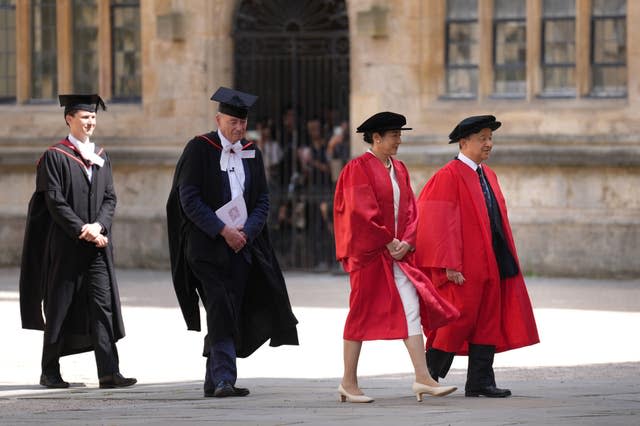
x=225 y=258
x=67 y=258
x=375 y=228
x=464 y=243
x=319 y=195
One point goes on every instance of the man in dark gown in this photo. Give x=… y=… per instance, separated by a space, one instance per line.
x=228 y=265
x=67 y=259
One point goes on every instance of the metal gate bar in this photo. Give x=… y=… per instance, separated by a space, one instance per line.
x=295 y=57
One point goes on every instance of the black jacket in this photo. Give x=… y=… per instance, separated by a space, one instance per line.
x=266 y=310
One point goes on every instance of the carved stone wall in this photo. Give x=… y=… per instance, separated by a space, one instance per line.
x=569 y=167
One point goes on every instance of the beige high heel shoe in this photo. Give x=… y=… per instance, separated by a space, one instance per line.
x=346 y=396
x=419 y=389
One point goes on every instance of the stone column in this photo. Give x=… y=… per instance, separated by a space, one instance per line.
x=583 y=47
x=633 y=53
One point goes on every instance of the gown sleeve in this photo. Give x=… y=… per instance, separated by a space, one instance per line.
x=411 y=213
x=109 y=200
x=360 y=233
x=439 y=236
x=198 y=212
x=50 y=182
x=258 y=215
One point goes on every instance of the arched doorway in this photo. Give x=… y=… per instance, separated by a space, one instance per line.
x=295 y=56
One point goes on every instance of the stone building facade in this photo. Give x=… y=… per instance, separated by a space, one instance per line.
x=560 y=75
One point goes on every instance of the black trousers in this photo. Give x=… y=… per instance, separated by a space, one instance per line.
x=223 y=305
x=98 y=289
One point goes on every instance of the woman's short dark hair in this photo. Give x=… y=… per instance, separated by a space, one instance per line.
x=368 y=136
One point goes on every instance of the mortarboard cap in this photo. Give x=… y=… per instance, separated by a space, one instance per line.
x=471 y=125
x=81 y=102
x=233 y=102
x=383 y=121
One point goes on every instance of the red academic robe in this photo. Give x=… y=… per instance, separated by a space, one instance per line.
x=364 y=225
x=454 y=233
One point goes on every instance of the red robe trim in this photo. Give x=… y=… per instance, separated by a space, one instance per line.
x=245 y=146
x=364 y=224
x=454 y=233
x=71 y=146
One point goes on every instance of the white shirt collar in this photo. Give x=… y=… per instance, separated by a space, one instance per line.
x=224 y=140
x=87 y=150
x=231 y=163
x=78 y=143
x=469 y=162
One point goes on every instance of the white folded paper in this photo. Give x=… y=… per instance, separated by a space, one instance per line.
x=234 y=213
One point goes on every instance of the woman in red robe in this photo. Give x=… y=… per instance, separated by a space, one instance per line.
x=375 y=223
x=465 y=245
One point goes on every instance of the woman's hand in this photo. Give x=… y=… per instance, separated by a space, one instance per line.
x=399 y=249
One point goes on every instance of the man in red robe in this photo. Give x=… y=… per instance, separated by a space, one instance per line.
x=464 y=243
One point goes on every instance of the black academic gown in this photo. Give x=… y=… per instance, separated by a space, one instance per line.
x=265 y=311
x=51 y=267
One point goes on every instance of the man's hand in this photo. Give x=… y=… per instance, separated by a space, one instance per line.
x=455 y=276
x=90 y=231
x=235 y=238
x=101 y=242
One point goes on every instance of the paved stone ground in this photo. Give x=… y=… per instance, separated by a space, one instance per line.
x=591 y=395
x=586 y=371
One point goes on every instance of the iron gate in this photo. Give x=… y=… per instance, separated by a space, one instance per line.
x=295 y=56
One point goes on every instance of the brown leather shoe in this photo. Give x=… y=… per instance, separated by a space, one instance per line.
x=116 y=381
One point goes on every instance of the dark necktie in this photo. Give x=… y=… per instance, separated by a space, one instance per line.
x=485 y=188
x=506 y=262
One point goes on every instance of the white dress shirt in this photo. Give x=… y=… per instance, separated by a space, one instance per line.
x=87 y=151
x=469 y=162
x=231 y=162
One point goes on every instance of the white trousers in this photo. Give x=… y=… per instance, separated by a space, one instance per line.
x=410 y=302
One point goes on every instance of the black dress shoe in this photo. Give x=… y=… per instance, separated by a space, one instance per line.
x=116 y=381
x=490 y=391
x=225 y=389
x=53 y=381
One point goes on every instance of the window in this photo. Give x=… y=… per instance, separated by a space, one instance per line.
x=85 y=46
x=608 y=48
x=559 y=48
x=519 y=49
x=7 y=50
x=125 y=50
x=462 y=49
x=81 y=46
x=509 y=48
x=44 y=65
